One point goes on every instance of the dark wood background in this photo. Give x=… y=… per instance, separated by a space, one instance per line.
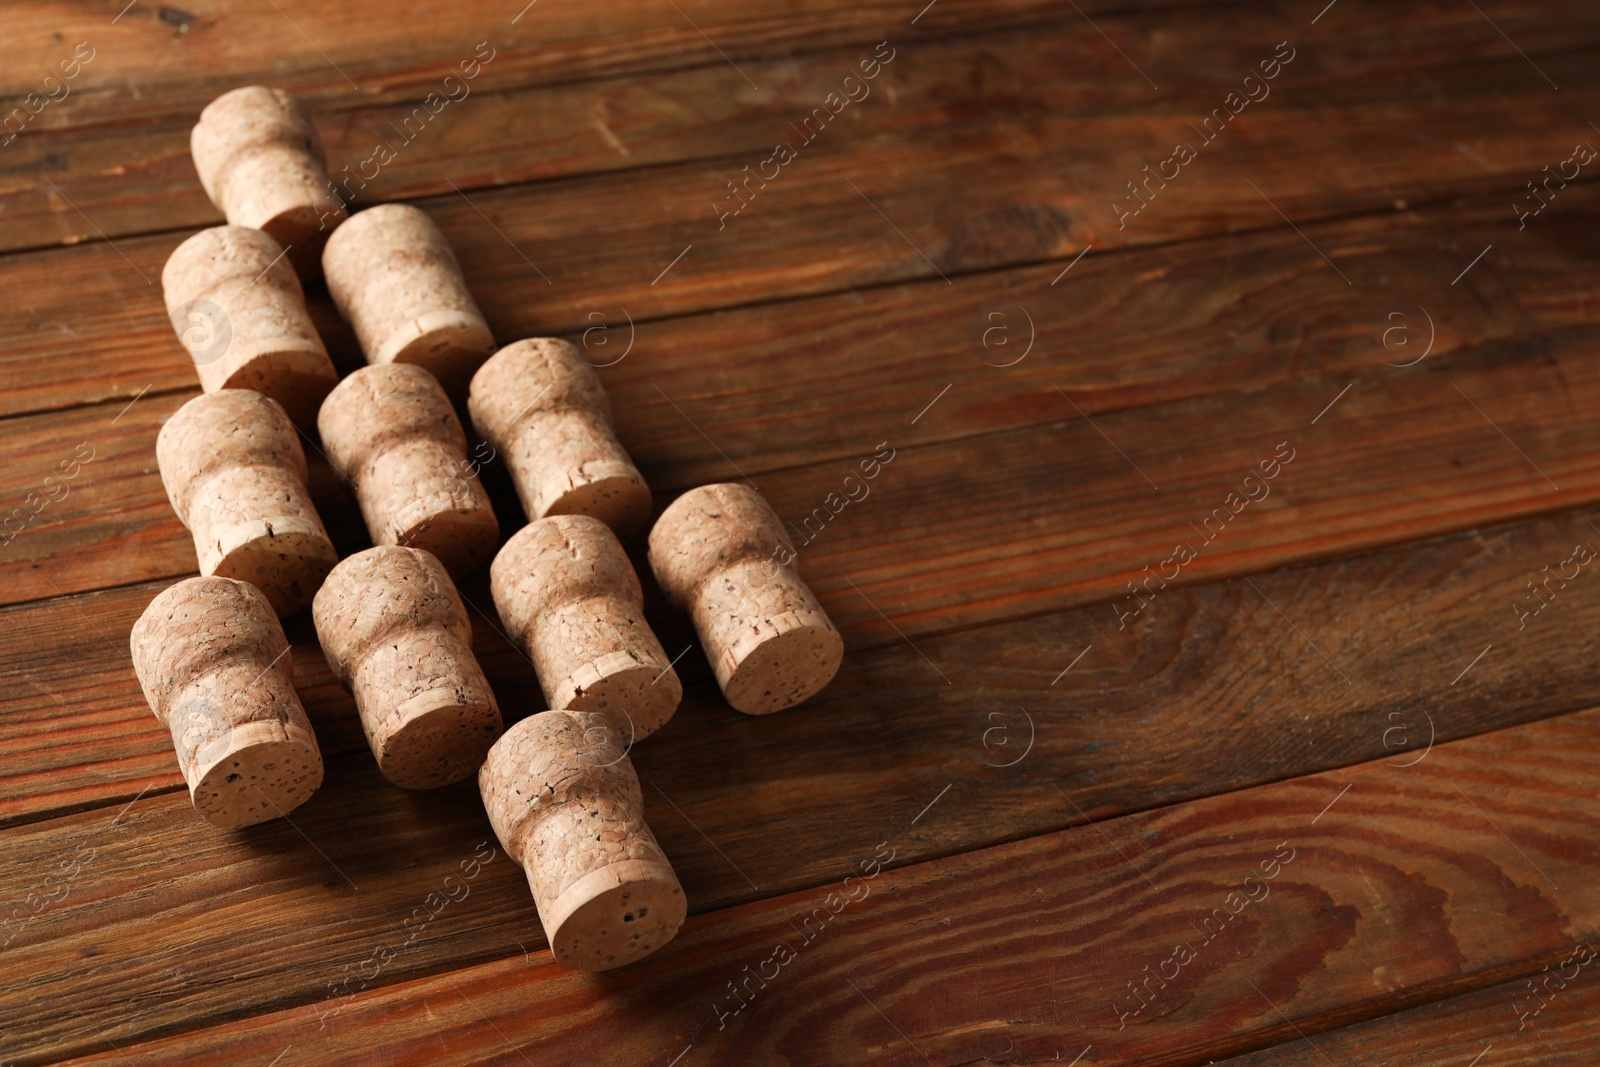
x=1055 y=804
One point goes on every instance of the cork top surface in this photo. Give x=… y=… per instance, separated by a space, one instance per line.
x=249 y=117
x=548 y=760
x=396 y=239
x=373 y=594
x=532 y=376
x=558 y=559
x=708 y=529
x=212 y=256
x=228 y=428
x=376 y=406
x=196 y=624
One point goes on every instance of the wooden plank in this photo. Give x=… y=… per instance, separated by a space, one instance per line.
x=153 y=62
x=1555 y=1020
x=1050 y=515
x=72 y=185
x=1144 y=327
x=1350 y=889
x=175 y=987
x=75 y=730
x=1010 y=181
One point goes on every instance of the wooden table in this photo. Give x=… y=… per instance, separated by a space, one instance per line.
x=1220 y=679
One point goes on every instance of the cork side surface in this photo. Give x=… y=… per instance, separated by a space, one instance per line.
x=240 y=313
x=566 y=804
x=395 y=631
x=262 y=164
x=543 y=407
x=720 y=553
x=565 y=590
x=215 y=667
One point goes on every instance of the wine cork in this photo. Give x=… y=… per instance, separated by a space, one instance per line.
x=391 y=430
x=542 y=407
x=215 y=667
x=394 y=278
x=236 y=476
x=569 y=598
x=720 y=553
x=240 y=312
x=396 y=634
x=262 y=164
x=565 y=802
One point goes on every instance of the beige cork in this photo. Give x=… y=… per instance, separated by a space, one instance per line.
x=398 y=284
x=719 y=552
x=539 y=404
x=215 y=667
x=569 y=597
x=565 y=802
x=239 y=310
x=396 y=634
x=391 y=430
x=236 y=476
x=262 y=164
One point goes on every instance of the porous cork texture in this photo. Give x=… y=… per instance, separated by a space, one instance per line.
x=565 y=802
x=396 y=281
x=719 y=552
x=236 y=476
x=542 y=407
x=216 y=668
x=391 y=430
x=394 y=631
x=262 y=164
x=569 y=598
x=239 y=311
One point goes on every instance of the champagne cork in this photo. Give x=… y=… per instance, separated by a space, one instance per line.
x=391 y=430
x=542 y=407
x=565 y=802
x=262 y=164
x=396 y=634
x=240 y=312
x=398 y=284
x=569 y=598
x=236 y=476
x=215 y=667
x=719 y=552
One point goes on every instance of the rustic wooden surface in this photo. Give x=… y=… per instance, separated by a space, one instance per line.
x=1050 y=790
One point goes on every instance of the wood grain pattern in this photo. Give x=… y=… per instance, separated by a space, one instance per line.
x=1051 y=515
x=1008 y=180
x=1413 y=592
x=63 y=186
x=1416 y=882
x=1400 y=623
x=178 y=60
x=1156 y=715
x=1491 y=1023
x=157 y=61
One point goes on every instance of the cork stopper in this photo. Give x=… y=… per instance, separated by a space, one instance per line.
x=720 y=553
x=391 y=430
x=569 y=598
x=542 y=407
x=262 y=164
x=394 y=278
x=396 y=634
x=239 y=310
x=215 y=667
x=565 y=802
x=236 y=476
